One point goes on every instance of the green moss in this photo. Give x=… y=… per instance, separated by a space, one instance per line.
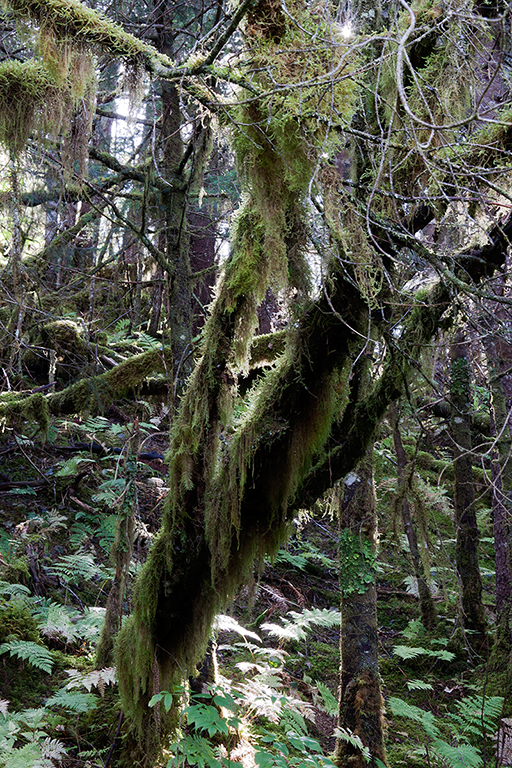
x=72 y=20
x=17 y=623
x=266 y=348
x=34 y=407
x=93 y=394
x=29 y=98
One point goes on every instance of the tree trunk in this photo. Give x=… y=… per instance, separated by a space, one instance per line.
x=499 y=358
x=467 y=535
x=121 y=554
x=427 y=608
x=172 y=205
x=361 y=703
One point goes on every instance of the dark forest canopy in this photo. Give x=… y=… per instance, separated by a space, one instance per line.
x=343 y=171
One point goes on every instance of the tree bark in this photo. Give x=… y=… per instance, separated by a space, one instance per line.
x=427 y=607
x=361 y=703
x=172 y=206
x=467 y=535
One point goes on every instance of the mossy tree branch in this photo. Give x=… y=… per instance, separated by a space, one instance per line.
x=91 y=395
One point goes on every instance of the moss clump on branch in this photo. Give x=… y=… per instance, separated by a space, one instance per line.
x=71 y=20
x=29 y=97
x=266 y=348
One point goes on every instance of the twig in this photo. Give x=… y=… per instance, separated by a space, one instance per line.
x=112 y=746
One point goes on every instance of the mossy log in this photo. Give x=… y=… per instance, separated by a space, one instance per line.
x=91 y=395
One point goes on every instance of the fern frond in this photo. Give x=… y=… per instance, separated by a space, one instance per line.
x=25 y=756
x=70 y=467
x=330 y=703
x=353 y=739
x=418 y=685
x=462 y=756
x=14 y=590
x=224 y=623
x=35 y=654
x=58 y=622
x=408 y=652
x=73 y=700
x=4 y=705
x=90 y=623
x=98 y=678
x=297 y=627
x=75 y=568
x=401 y=708
x=52 y=749
x=476 y=712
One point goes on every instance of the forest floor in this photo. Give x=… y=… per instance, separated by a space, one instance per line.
x=57 y=524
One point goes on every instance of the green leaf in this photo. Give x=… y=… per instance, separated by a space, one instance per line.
x=353 y=739
x=264 y=759
x=461 y=756
x=23 y=492
x=401 y=708
x=168 y=699
x=70 y=467
x=443 y=655
x=329 y=701
x=75 y=568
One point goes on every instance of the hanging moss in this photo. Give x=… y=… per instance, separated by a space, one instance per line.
x=216 y=520
x=29 y=98
x=347 y=227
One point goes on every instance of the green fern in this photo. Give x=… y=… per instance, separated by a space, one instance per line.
x=418 y=685
x=407 y=652
x=18 y=591
x=90 y=623
x=462 y=756
x=26 y=756
x=98 y=678
x=330 y=703
x=225 y=623
x=76 y=568
x=41 y=750
x=75 y=701
x=476 y=716
x=58 y=621
x=297 y=627
x=36 y=655
x=110 y=491
x=72 y=466
x=353 y=739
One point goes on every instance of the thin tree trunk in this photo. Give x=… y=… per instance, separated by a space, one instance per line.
x=173 y=238
x=499 y=357
x=122 y=549
x=361 y=703
x=467 y=533
x=427 y=608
